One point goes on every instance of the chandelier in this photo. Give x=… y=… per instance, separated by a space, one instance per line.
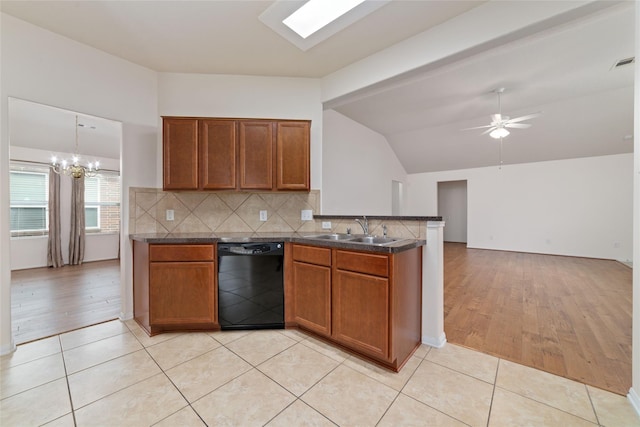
x=74 y=168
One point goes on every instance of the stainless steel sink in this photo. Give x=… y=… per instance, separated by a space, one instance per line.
x=358 y=239
x=374 y=240
x=332 y=236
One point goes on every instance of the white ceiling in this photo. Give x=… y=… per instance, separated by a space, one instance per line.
x=564 y=71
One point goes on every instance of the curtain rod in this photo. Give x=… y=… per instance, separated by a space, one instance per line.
x=49 y=164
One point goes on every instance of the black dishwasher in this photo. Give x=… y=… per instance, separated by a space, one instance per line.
x=251 y=285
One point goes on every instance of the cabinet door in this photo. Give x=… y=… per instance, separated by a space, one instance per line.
x=180 y=154
x=292 y=156
x=217 y=140
x=182 y=293
x=361 y=312
x=312 y=301
x=256 y=155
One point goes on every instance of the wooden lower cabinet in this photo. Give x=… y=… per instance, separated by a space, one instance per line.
x=361 y=312
x=312 y=297
x=369 y=303
x=174 y=287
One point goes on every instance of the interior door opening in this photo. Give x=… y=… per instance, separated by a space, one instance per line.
x=452 y=207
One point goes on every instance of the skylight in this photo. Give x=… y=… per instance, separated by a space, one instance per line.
x=316 y=14
x=322 y=24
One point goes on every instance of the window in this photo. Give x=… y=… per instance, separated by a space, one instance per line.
x=29 y=199
x=102 y=203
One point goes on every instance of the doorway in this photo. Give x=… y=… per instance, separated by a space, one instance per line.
x=48 y=301
x=452 y=207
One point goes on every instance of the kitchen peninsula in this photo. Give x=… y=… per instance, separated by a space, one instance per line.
x=362 y=297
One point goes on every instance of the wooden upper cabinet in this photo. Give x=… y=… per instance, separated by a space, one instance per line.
x=180 y=154
x=256 y=154
x=292 y=156
x=218 y=154
x=201 y=153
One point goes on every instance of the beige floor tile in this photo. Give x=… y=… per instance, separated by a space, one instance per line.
x=185 y=417
x=612 y=409
x=458 y=395
x=300 y=414
x=252 y=399
x=31 y=351
x=294 y=334
x=142 y=404
x=479 y=365
x=145 y=339
x=422 y=351
x=36 y=406
x=395 y=380
x=101 y=380
x=511 y=409
x=101 y=351
x=93 y=333
x=349 y=398
x=226 y=337
x=569 y=396
x=205 y=373
x=259 y=346
x=179 y=349
x=408 y=412
x=29 y=375
x=64 y=421
x=327 y=349
x=298 y=368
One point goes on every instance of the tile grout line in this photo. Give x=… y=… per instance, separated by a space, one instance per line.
x=66 y=378
x=593 y=406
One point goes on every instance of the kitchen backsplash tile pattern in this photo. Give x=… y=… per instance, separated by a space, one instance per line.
x=228 y=212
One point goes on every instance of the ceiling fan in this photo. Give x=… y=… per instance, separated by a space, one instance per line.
x=500 y=125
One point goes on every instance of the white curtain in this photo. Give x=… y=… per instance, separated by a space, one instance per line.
x=54 y=250
x=76 y=236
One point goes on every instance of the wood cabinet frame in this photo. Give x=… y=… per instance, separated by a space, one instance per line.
x=202 y=153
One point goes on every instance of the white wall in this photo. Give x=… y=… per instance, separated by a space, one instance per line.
x=43 y=67
x=579 y=207
x=358 y=168
x=206 y=95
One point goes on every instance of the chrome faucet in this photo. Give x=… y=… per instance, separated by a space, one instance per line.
x=364 y=224
x=384 y=230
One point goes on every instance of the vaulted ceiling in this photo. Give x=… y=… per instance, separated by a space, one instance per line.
x=564 y=69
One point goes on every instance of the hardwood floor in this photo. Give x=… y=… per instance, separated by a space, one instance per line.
x=49 y=301
x=565 y=315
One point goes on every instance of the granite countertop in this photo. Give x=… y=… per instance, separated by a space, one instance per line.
x=180 y=238
x=381 y=217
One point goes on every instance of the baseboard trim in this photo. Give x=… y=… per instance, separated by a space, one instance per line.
x=437 y=342
x=634 y=399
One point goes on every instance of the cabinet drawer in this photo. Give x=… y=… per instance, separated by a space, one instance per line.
x=181 y=253
x=360 y=262
x=312 y=255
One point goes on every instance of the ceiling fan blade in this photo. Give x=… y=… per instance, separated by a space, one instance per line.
x=478 y=127
x=518 y=125
x=523 y=118
x=488 y=130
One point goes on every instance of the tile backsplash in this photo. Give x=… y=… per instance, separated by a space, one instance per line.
x=220 y=212
x=230 y=212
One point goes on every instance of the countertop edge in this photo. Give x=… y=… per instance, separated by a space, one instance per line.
x=186 y=238
x=381 y=217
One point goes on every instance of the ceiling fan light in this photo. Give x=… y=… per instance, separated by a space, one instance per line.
x=498 y=133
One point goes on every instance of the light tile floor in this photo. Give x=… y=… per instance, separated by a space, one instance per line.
x=113 y=374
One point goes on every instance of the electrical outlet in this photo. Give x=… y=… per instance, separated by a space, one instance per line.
x=306 y=214
x=326 y=225
x=169 y=214
x=263 y=215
